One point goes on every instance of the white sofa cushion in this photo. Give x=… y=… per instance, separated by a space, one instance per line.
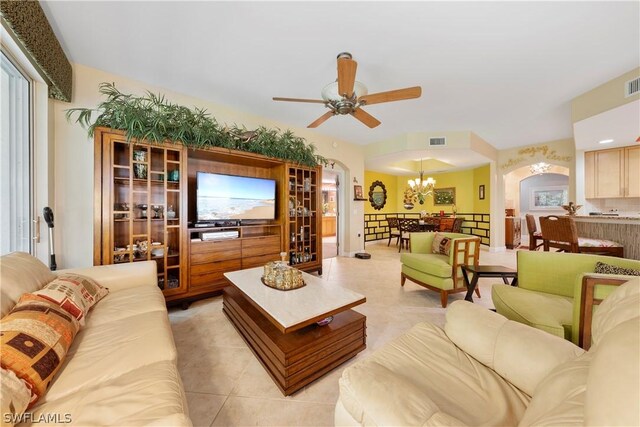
x=121 y=368
x=559 y=398
x=107 y=351
x=117 y=277
x=422 y=377
x=621 y=305
x=520 y=354
x=151 y=394
x=20 y=273
x=126 y=303
x=613 y=385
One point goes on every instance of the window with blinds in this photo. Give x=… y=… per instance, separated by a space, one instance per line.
x=15 y=161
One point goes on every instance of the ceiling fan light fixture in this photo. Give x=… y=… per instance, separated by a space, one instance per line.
x=330 y=92
x=346 y=96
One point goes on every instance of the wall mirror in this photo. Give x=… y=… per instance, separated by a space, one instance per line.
x=377 y=195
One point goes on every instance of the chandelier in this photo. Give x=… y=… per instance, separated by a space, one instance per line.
x=539 y=168
x=418 y=189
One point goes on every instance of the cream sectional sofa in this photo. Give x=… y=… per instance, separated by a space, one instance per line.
x=484 y=369
x=121 y=368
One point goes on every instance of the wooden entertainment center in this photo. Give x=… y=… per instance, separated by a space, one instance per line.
x=145 y=209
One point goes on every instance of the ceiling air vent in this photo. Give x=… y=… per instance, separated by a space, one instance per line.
x=631 y=87
x=437 y=141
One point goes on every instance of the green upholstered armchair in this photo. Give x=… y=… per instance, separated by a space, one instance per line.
x=549 y=290
x=440 y=273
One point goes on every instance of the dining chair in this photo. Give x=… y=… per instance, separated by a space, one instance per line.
x=534 y=234
x=560 y=232
x=406 y=226
x=394 y=231
x=457 y=225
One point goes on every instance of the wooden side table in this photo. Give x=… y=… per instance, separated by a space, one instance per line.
x=486 y=271
x=512 y=232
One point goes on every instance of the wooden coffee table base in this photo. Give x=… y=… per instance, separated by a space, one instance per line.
x=297 y=358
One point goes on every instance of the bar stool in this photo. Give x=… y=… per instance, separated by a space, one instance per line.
x=534 y=234
x=560 y=232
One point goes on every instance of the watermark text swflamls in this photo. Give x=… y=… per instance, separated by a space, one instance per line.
x=30 y=417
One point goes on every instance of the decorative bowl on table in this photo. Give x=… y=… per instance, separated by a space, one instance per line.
x=571 y=208
x=278 y=275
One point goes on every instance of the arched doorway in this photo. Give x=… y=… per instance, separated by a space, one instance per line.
x=538 y=194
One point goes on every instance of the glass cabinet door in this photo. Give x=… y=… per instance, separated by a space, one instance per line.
x=146 y=212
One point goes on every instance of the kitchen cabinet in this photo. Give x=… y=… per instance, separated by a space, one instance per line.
x=632 y=171
x=328 y=226
x=612 y=173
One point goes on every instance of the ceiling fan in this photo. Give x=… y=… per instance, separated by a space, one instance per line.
x=347 y=96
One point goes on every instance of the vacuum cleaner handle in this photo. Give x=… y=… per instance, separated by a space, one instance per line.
x=48 y=217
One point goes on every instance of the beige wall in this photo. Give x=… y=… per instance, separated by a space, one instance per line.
x=604 y=97
x=74 y=163
x=512 y=185
x=74 y=159
x=418 y=141
x=560 y=153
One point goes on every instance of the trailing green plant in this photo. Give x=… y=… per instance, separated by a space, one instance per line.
x=153 y=118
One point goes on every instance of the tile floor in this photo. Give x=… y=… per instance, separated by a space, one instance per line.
x=227 y=386
x=329 y=247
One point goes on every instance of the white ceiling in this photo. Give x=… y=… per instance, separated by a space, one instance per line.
x=504 y=70
x=622 y=124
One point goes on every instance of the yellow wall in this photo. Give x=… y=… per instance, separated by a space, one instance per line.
x=466 y=183
x=390 y=183
x=481 y=176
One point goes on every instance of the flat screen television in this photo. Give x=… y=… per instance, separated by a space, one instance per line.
x=229 y=197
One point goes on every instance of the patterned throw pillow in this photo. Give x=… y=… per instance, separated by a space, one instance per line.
x=74 y=293
x=14 y=397
x=441 y=244
x=603 y=268
x=35 y=338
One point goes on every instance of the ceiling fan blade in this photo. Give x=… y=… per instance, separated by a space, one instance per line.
x=365 y=117
x=392 y=95
x=346 y=76
x=314 y=101
x=321 y=119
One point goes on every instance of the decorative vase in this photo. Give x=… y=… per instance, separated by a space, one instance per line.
x=139 y=169
x=571 y=208
x=171 y=214
x=174 y=175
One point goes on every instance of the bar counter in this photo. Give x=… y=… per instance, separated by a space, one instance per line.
x=622 y=229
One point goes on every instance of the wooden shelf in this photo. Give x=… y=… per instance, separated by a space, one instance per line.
x=195 y=268
x=123 y=228
x=302 y=190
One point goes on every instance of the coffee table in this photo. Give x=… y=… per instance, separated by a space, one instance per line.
x=280 y=326
x=479 y=271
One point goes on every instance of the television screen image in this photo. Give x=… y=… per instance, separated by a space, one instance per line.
x=221 y=197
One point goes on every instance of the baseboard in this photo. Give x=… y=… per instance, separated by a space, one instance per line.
x=497 y=249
